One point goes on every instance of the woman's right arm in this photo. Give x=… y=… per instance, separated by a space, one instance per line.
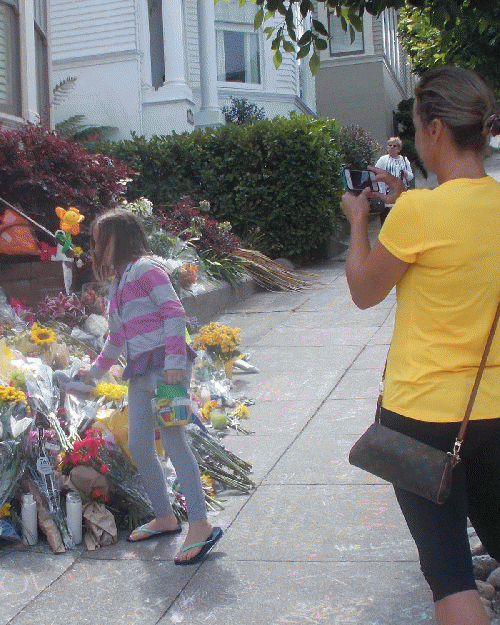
x=394 y=185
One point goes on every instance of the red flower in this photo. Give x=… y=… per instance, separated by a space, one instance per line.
x=74 y=457
x=104 y=468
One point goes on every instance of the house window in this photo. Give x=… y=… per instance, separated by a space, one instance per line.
x=41 y=60
x=10 y=95
x=238 y=57
x=340 y=42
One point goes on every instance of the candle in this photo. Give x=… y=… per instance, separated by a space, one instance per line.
x=74 y=516
x=29 y=520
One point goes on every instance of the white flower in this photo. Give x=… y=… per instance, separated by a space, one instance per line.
x=95 y=325
x=142 y=207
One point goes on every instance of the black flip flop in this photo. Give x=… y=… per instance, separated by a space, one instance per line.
x=206 y=546
x=152 y=533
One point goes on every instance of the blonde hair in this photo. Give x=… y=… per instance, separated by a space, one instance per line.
x=119 y=232
x=395 y=140
x=462 y=99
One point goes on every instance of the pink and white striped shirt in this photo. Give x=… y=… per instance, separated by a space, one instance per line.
x=145 y=316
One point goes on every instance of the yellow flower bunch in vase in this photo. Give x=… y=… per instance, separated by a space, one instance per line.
x=221 y=342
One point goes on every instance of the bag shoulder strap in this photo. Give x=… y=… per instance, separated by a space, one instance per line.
x=479 y=375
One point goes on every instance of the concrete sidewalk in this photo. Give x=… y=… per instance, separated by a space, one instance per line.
x=317 y=542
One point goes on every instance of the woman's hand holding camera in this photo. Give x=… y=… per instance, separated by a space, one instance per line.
x=395 y=186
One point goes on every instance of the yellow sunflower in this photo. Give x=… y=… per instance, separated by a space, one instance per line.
x=42 y=336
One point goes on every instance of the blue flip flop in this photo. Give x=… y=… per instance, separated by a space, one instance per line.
x=206 y=546
x=152 y=533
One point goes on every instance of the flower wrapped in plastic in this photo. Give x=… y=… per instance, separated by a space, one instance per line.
x=44 y=398
x=15 y=427
x=99 y=450
x=219 y=340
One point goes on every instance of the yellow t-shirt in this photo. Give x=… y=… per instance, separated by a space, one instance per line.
x=446 y=300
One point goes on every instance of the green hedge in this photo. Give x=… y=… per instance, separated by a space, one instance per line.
x=279 y=177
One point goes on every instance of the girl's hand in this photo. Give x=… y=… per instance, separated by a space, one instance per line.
x=355 y=206
x=173 y=376
x=85 y=376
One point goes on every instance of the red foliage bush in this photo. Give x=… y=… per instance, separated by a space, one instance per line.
x=39 y=171
x=180 y=219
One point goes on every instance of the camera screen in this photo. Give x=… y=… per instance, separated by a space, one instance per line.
x=360 y=179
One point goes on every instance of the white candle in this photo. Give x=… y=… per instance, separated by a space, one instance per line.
x=29 y=520
x=74 y=516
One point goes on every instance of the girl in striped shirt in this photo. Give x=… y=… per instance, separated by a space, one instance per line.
x=147 y=322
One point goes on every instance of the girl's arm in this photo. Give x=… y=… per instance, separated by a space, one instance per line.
x=371 y=272
x=110 y=352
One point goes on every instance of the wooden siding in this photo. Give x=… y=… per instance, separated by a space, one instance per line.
x=92 y=27
x=192 y=47
x=378 y=36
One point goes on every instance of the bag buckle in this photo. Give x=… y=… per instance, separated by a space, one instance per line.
x=456 y=450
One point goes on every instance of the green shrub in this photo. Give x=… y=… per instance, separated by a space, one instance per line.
x=279 y=177
x=359 y=149
x=241 y=111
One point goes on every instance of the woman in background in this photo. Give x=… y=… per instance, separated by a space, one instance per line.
x=398 y=166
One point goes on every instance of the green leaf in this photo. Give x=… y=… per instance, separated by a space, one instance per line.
x=303 y=51
x=276 y=43
x=259 y=18
x=306 y=38
x=288 y=46
x=319 y=28
x=320 y=44
x=314 y=63
x=277 y=58
x=242 y=2
x=483 y=25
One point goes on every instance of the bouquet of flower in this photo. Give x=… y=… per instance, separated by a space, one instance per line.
x=218 y=340
x=99 y=450
x=15 y=426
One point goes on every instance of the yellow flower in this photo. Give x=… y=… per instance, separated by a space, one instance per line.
x=208 y=483
x=70 y=219
x=42 y=336
x=11 y=393
x=77 y=251
x=218 y=339
x=241 y=411
x=112 y=392
x=5 y=510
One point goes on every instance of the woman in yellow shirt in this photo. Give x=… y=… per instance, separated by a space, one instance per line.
x=441 y=249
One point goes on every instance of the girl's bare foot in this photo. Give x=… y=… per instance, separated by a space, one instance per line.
x=199 y=531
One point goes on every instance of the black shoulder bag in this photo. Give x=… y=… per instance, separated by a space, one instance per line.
x=408 y=463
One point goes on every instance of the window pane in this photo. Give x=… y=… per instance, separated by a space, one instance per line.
x=340 y=43
x=10 y=98
x=254 y=59
x=234 y=56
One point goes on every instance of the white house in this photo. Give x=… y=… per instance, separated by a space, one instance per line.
x=363 y=82
x=24 y=62
x=158 y=66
